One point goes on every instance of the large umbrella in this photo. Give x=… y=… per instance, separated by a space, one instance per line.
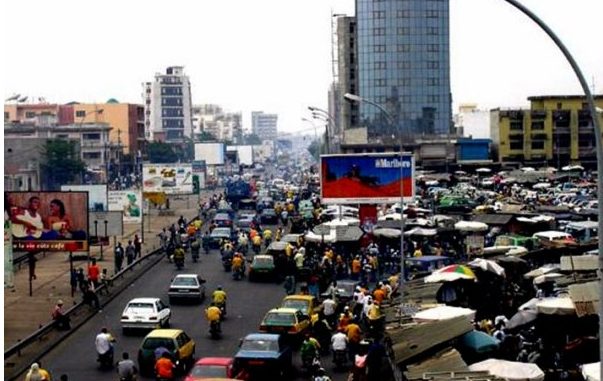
x=509 y=370
x=591 y=372
x=479 y=342
x=450 y=274
x=443 y=313
x=483 y=170
x=487 y=265
x=420 y=232
x=386 y=232
x=521 y=318
x=550 y=277
x=471 y=226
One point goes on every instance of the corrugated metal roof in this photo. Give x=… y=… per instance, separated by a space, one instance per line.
x=494 y=219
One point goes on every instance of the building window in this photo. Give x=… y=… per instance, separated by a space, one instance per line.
x=433 y=47
x=379 y=48
x=380 y=82
x=433 y=65
x=30 y=114
x=91 y=155
x=403 y=64
x=378 y=31
x=433 y=31
x=433 y=81
x=403 y=48
x=80 y=114
x=538 y=145
x=380 y=65
x=538 y=125
x=433 y=98
x=403 y=31
x=378 y=14
x=91 y=136
x=431 y=14
x=6 y=116
x=403 y=14
x=516 y=126
x=516 y=145
x=62 y=136
x=403 y=81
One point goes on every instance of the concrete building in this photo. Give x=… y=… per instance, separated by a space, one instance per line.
x=554 y=130
x=344 y=112
x=167 y=103
x=223 y=126
x=403 y=64
x=470 y=121
x=264 y=125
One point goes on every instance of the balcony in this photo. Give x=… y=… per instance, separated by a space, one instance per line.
x=561 y=118
x=538 y=114
x=561 y=130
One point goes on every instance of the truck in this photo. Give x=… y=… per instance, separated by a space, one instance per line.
x=236 y=191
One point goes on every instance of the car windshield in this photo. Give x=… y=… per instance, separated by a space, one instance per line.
x=263 y=261
x=347 y=288
x=278 y=318
x=260 y=345
x=140 y=305
x=296 y=304
x=209 y=371
x=185 y=281
x=153 y=343
x=222 y=217
x=221 y=232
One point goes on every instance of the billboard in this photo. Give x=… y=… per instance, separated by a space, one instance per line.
x=366 y=178
x=245 y=154
x=211 y=153
x=167 y=178
x=51 y=221
x=106 y=224
x=97 y=195
x=8 y=255
x=129 y=202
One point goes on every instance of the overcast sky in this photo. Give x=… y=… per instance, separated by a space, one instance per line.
x=274 y=55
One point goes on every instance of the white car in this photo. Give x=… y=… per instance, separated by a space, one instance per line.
x=187 y=286
x=148 y=313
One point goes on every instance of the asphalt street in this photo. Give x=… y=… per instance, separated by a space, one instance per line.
x=247 y=304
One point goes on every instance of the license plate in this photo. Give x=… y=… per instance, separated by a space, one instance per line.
x=183 y=291
x=256 y=362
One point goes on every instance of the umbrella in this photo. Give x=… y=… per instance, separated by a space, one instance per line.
x=556 y=306
x=471 y=226
x=479 y=342
x=546 y=278
x=541 y=271
x=444 y=313
x=509 y=370
x=420 y=232
x=487 y=265
x=450 y=274
x=521 y=318
x=483 y=170
x=386 y=232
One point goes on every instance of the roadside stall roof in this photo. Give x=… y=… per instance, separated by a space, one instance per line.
x=494 y=219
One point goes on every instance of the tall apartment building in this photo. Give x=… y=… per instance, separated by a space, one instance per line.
x=125 y=119
x=167 y=102
x=223 y=126
x=402 y=63
x=555 y=130
x=264 y=125
x=345 y=113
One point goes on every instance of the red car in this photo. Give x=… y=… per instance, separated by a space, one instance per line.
x=211 y=368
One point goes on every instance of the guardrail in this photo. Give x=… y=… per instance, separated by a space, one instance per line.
x=78 y=314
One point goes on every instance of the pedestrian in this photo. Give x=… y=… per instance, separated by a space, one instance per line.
x=73 y=281
x=81 y=279
x=58 y=315
x=94 y=273
x=374 y=359
x=90 y=296
x=137 y=246
x=104 y=280
x=34 y=373
x=119 y=257
x=130 y=253
x=31 y=261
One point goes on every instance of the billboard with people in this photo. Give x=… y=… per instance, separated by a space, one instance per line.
x=167 y=178
x=366 y=178
x=49 y=221
x=97 y=195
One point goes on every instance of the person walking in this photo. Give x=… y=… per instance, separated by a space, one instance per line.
x=130 y=253
x=137 y=246
x=94 y=273
x=119 y=257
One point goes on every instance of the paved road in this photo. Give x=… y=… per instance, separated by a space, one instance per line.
x=247 y=304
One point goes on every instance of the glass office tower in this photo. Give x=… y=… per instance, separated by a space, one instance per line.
x=404 y=65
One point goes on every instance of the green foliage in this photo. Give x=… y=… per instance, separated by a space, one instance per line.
x=61 y=163
x=314 y=149
x=160 y=152
x=205 y=136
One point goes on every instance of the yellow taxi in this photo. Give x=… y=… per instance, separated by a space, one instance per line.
x=307 y=304
x=180 y=346
x=290 y=322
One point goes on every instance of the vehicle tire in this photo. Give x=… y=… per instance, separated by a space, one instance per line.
x=251 y=277
x=125 y=331
x=171 y=300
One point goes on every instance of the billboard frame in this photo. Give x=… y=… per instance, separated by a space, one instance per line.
x=402 y=156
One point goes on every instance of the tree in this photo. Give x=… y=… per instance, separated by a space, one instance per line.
x=205 y=136
x=61 y=163
x=160 y=152
x=253 y=139
x=314 y=149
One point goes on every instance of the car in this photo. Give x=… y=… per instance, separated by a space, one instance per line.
x=345 y=290
x=244 y=223
x=211 y=368
x=307 y=304
x=291 y=322
x=218 y=235
x=187 y=286
x=263 y=354
x=223 y=220
x=145 y=313
x=268 y=216
x=262 y=266
x=180 y=346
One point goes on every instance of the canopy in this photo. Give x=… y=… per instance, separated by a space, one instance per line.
x=591 y=372
x=471 y=226
x=386 y=232
x=444 y=313
x=509 y=370
x=479 y=342
x=573 y=168
x=420 y=232
x=556 y=306
x=483 y=170
x=546 y=278
x=541 y=271
x=450 y=274
x=487 y=265
x=521 y=318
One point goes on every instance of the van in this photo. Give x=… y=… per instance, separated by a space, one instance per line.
x=176 y=341
x=583 y=231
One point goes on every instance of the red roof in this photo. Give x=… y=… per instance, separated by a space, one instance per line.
x=223 y=361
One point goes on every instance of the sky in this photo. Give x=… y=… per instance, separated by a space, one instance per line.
x=275 y=55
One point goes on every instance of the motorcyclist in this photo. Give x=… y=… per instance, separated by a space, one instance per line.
x=339 y=342
x=213 y=315
x=126 y=369
x=309 y=350
x=179 y=256
x=257 y=243
x=104 y=347
x=267 y=234
x=164 y=367
x=321 y=375
x=219 y=299
x=238 y=264
x=195 y=246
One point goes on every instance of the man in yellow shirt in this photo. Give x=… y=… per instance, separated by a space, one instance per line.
x=289 y=250
x=219 y=297
x=214 y=315
x=356 y=267
x=267 y=236
x=257 y=243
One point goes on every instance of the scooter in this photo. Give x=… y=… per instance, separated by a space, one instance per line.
x=214 y=330
x=105 y=360
x=340 y=358
x=238 y=273
x=227 y=263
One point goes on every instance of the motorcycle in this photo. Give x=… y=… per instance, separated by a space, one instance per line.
x=214 y=330
x=195 y=251
x=340 y=358
x=310 y=364
x=222 y=307
x=227 y=263
x=105 y=360
x=238 y=273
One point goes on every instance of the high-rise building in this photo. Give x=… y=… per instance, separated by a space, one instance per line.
x=264 y=125
x=223 y=126
x=403 y=64
x=344 y=112
x=167 y=103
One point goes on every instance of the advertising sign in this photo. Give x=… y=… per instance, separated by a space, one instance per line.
x=106 y=224
x=8 y=255
x=97 y=195
x=129 y=202
x=50 y=221
x=167 y=178
x=211 y=153
x=199 y=171
x=366 y=178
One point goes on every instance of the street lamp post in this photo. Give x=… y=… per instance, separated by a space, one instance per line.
x=593 y=113
x=318 y=113
x=358 y=99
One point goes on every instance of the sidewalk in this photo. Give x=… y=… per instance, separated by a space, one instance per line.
x=24 y=314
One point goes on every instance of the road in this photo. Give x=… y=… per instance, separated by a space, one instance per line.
x=247 y=304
